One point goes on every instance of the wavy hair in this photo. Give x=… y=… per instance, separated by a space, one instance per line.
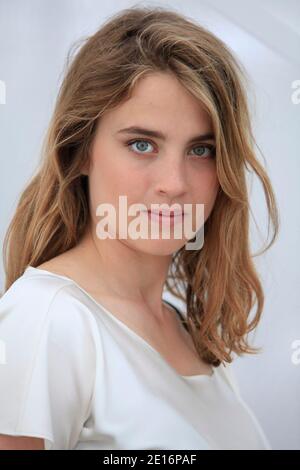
x=218 y=283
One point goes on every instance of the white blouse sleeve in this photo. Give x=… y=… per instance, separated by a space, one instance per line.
x=48 y=363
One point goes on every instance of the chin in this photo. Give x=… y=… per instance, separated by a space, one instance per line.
x=158 y=247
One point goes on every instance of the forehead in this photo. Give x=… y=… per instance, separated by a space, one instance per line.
x=159 y=100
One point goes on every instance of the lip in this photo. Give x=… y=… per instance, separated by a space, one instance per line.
x=170 y=219
x=169 y=215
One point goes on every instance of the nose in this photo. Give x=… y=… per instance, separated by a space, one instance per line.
x=170 y=177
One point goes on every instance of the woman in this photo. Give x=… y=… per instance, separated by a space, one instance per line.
x=96 y=358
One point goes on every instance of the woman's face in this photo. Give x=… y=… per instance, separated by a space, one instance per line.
x=155 y=170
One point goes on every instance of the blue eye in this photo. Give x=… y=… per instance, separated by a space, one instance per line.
x=139 y=141
x=211 y=148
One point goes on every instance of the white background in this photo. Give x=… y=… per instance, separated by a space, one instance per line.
x=35 y=37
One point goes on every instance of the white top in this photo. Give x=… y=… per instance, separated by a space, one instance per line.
x=74 y=374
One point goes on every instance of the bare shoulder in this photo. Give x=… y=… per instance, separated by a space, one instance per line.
x=21 y=443
x=71 y=265
x=63 y=264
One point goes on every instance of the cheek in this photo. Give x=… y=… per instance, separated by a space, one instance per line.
x=206 y=187
x=113 y=176
x=205 y=182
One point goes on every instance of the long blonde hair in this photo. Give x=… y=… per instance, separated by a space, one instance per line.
x=218 y=283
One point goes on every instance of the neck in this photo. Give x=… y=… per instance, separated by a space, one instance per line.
x=125 y=272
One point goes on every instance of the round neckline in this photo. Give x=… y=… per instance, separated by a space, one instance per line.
x=120 y=322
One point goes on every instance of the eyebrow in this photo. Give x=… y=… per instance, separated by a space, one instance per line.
x=160 y=135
